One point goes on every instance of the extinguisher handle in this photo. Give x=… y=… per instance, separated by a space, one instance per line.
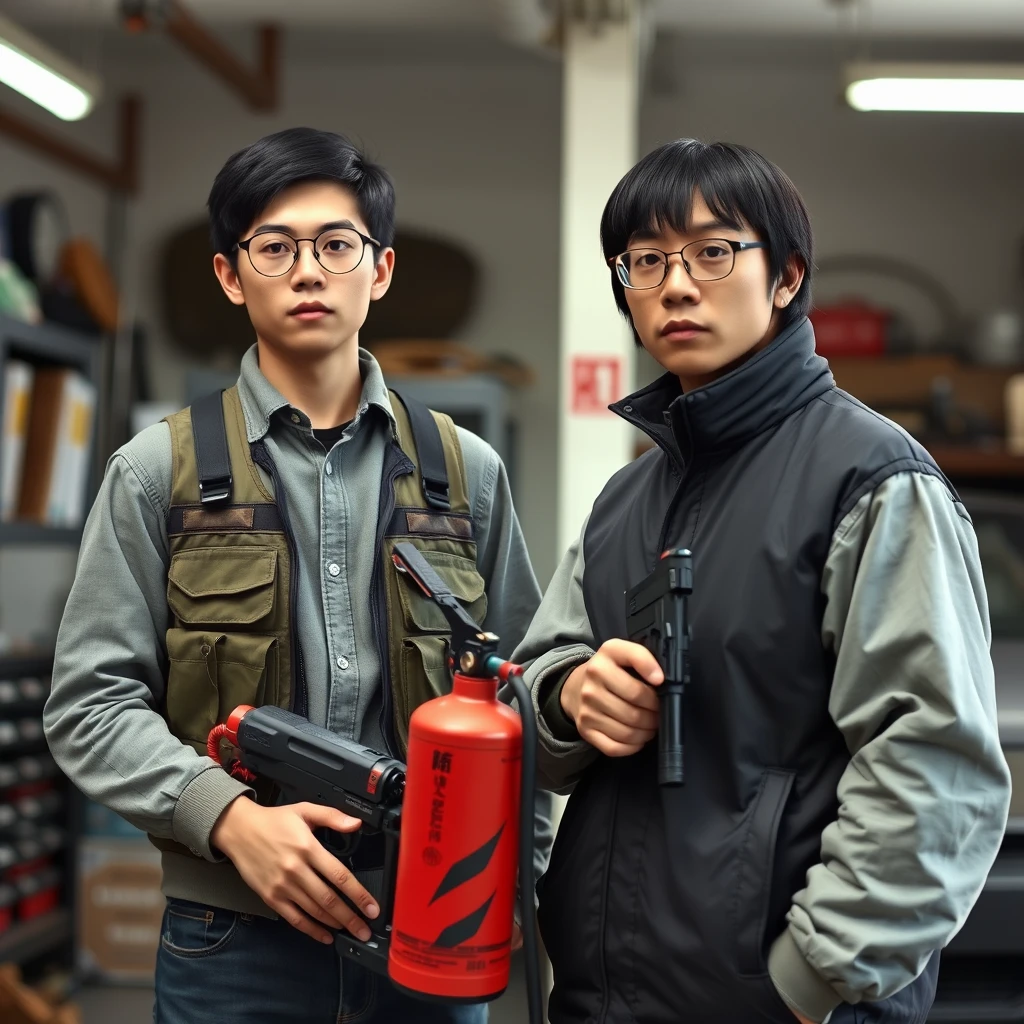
x=407 y=559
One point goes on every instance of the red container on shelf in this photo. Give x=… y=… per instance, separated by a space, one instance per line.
x=849 y=329
x=38 y=893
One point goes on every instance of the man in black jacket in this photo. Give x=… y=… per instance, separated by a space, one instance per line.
x=846 y=793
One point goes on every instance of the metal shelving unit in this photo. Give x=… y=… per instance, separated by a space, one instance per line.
x=44 y=345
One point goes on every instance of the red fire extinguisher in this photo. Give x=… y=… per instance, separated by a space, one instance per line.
x=456 y=818
x=455 y=889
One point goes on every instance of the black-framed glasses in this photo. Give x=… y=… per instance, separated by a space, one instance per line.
x=708 y=259
x=337 y=250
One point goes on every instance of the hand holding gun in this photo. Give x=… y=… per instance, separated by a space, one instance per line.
x=656 y=618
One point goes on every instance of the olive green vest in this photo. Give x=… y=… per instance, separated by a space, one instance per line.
x=231 y=596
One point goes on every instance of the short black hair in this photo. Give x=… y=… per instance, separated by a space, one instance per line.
x=254 y=176
x=736 y=182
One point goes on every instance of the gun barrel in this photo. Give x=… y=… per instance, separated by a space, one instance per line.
x=670 y=736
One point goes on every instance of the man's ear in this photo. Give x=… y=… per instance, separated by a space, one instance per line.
x=382 y=271
x=227 y=275
x=790 y=282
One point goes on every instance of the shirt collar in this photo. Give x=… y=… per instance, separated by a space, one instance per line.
x=260 y=399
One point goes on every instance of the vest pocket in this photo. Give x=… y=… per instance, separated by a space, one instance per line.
x=211 y=673
x=755 y=863
x=463 y=579
x=424 y=672
x=222 y=586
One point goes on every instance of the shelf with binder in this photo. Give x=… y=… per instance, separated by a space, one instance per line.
x=48 y=397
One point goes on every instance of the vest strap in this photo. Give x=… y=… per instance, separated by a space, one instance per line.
x=429 y=453
x=211 y=444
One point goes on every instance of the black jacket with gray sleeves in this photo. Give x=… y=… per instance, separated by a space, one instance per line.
x=828 y=760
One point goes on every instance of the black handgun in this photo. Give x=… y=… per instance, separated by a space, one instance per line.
x=656 y=616
x=310 y=763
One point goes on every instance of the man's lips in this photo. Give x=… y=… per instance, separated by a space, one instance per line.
x=681 y=330
x=309 y=311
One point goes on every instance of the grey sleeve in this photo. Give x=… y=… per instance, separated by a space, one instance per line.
x=512 y=590
x=924 y=800
x=102 y=719
x=560 y=638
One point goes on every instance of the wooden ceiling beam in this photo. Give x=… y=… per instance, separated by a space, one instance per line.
x=121 y=175
x=257 y=86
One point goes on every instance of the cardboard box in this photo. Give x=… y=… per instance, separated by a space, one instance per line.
x=120 y=909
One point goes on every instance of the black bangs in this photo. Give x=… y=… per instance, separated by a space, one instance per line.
x=737 y=184
x=256 y=175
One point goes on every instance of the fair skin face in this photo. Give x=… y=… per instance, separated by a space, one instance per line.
x=312 y=360
x=722 y=323
x=699 y=331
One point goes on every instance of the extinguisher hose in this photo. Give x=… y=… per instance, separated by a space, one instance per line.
x=527 y=883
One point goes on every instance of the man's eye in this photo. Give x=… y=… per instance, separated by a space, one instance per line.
x=336 y=245
x=274 y=248
x=648 y=259
x=713 y=252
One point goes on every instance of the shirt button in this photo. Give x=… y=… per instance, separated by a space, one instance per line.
x=328 y=468
x=296 y=418
x=343 y=662
x=334 y=569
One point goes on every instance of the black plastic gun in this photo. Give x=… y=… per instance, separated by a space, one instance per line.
x=656 y=617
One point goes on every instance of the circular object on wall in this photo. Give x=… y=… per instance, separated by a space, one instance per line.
x=198 y=314
x=37 y=228
x=432 y=294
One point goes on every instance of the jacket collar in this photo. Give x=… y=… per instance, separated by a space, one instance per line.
x=777 y=381
x=261 y=400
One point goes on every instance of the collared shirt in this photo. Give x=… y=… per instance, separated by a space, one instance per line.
x=103 y=720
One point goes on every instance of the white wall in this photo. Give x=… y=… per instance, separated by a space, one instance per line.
x=934 y=190
x=470 y=131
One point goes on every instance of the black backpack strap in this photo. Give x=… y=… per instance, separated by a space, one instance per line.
x=210 y=438
x=430 y=453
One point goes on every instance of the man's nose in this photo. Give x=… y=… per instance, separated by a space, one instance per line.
x=678 y=286
x=307 y=266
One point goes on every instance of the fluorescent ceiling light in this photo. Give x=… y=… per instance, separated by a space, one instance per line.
x=30 y=67
x=957 y=88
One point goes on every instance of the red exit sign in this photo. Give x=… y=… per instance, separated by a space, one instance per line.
x=596 y=383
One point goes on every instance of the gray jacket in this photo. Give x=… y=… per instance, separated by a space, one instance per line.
x=102 y=719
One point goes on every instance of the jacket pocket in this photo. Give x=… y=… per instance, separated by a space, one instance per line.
x=755 y=864
x=222 y=586
x=465 y=582
x=211 y=673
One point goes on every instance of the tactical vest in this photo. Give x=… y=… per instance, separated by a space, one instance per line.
x=232 y=585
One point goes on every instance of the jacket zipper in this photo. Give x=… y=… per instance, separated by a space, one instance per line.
x=684 y=474
x=603 y=920
x=298 y=703
x=378 y=604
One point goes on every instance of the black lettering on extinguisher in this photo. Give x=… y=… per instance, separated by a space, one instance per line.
x=442 y=764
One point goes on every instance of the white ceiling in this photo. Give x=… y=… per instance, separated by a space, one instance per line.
x=932 y=18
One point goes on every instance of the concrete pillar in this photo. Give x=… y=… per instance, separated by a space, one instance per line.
x=601 y=93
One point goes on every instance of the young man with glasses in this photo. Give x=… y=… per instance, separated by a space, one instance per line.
x=845 y=793
x=269 y=581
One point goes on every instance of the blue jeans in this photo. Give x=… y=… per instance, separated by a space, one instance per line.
x=218 y=967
